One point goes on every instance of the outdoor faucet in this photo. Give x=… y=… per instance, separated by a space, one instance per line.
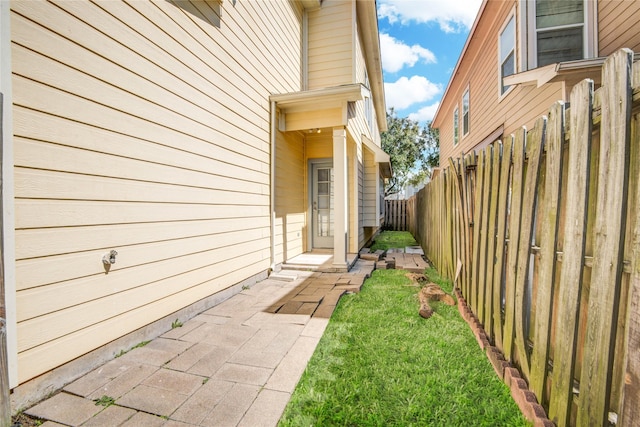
x=109 y=258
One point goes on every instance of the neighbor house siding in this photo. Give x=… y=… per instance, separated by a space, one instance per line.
x=141 y=127
x=331 y=44
x=618 y=26
x=488 y=111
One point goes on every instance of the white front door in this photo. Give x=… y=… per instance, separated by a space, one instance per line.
x=322 y=205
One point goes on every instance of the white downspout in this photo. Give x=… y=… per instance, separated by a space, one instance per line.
x=272 y=187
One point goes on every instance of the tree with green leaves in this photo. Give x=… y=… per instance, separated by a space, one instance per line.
x=414 y=151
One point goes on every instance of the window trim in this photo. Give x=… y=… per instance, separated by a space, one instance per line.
x=526 y=28
x=512 y=16
x=466 y=131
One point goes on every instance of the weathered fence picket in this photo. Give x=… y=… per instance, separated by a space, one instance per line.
x=549 y=215
x=610 y=224
x=395 y=215
x=542 y=232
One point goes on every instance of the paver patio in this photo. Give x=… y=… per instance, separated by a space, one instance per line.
x=235 y=364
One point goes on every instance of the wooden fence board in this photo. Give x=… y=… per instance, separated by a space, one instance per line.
x=583 y=273
x=613 y=179
x=549 y=237
x=395 y=215
x=491 y=241
x=483 y=225
x=535 y=142
x=450 y=201
x=630 y=410
x=503 y=201
x=459 y=219
x=514 y=236
x=473 y=297
x=574 y=241
x=471 y=164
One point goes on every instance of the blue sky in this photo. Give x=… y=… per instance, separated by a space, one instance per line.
x=420 y=42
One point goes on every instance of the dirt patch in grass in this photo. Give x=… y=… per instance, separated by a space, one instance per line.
x=23 y=420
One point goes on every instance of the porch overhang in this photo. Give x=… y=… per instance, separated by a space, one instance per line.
x=317 y=108
x=379 y=156
x=561 y=71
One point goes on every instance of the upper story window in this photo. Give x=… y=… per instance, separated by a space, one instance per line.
x=507 y=49
x=456 y=126
x=368 y=102
x=560 y=30
x=368 y=111
x=465 y=112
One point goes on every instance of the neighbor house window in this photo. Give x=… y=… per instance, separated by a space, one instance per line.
x=465 y=113
x=560 y=31
x=456 y=126
x=507 y=52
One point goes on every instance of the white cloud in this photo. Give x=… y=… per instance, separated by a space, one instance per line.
x=405 y=92
x=425 y=114
x=451 y=15
x=396 y=55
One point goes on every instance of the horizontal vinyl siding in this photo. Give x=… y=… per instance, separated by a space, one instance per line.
x=330 y=54
x=368 y=169
x=140 y=127
x=291 y=193
x=618 y=26
x=370 y=186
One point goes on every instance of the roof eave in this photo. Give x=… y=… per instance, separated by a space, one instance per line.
x=368 y=23
x=309 y=100
x=435 y=120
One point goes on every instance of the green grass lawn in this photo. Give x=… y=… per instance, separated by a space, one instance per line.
x=380 y=364
x=393 y=239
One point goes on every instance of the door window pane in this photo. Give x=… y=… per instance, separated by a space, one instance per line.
x=323 y=202
x=323 y=188
x=323 y=175
x=323 y=224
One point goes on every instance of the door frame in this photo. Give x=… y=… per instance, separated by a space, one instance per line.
x=312 y=163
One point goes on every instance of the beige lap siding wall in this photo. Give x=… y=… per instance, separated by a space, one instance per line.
x=141 y=127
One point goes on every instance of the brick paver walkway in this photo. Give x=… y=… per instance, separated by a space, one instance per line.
x=236 y=364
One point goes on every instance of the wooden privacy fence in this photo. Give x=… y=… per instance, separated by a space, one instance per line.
x=395 y=215
x=543 y=229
